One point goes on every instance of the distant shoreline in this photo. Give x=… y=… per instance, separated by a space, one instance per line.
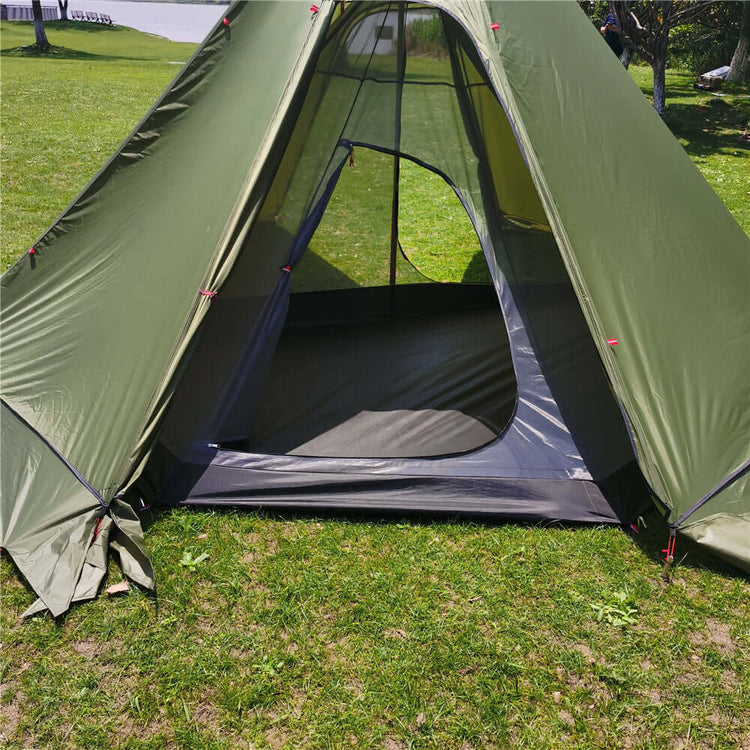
x=178 y=21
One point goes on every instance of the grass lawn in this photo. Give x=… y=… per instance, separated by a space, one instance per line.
x=296 y=631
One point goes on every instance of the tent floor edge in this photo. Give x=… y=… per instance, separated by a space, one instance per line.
x=487 y=498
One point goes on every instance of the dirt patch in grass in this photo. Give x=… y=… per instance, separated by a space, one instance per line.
x=256 y=543
x=88 y=648
x=337 y=650
x=396 y=634
x=276 y=737
x=290 y=706
x=729 y=678
x=207 y=715
x=9 y=715
x=690 y=589
x=585 y=651
x=127 y=728
x=391 y=743
x=718 y=636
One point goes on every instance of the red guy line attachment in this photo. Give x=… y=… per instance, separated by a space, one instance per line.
x=612 y=342
x=669 y=551
x=207 y=293
x=31 y=251
x=494 y=26
x=286 y=269
x=314 y=9
x=225 y=21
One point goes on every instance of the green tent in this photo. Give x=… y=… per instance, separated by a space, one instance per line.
x=182 y=335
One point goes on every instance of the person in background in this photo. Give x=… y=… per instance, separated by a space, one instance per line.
x=611 y=34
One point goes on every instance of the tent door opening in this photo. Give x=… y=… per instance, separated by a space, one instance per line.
x=377 y=360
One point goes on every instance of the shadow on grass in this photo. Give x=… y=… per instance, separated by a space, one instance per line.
x=59 y=53
x=688 y=554
x=711 y=127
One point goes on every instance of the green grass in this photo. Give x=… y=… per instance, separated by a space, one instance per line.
x=351 y=246
x=305 y=632
x=63 y=116
x=714 y=130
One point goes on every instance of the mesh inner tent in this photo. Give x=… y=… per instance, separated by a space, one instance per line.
x=445 y=378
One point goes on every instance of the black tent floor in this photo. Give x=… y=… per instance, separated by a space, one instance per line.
x=424 y=384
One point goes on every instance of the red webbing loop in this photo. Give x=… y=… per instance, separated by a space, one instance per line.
x=669 y=551
x=207 y=293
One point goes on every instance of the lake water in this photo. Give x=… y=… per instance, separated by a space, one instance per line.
x=180 y=22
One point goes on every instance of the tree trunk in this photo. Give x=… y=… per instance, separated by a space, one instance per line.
x=625 y=57
x=739 y=68
x=63 y=5
x=41 y=37
x=660 y=68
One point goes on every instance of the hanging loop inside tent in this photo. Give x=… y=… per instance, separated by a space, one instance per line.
x=207 y=293
x=227 y=28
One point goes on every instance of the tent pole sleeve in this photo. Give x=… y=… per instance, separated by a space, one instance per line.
x=73 y=470
x=401 y=67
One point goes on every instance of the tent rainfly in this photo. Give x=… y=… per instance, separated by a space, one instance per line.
x=229 y=313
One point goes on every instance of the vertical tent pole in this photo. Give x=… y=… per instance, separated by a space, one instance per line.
x=401 y=66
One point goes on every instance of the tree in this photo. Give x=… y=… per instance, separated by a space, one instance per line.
x=63 y=5
x=709 y=42
x=645 y=27
x=739 y=68
x=42 y=44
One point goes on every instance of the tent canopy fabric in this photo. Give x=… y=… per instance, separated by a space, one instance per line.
x=591 y=224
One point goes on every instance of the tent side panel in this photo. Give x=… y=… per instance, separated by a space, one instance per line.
x=657 y=261
x=89 y=323
x=47 y=516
